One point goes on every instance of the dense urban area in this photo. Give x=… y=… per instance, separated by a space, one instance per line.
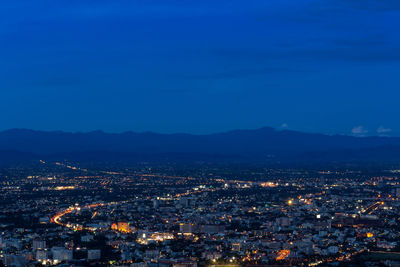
x=60 y=213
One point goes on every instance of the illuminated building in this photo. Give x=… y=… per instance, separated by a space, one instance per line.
x=161 y=236
x=282 y=254
x=121 y=227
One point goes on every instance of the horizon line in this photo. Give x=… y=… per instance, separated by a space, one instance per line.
x=277 y=129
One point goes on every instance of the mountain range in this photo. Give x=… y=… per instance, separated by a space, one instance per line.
x=261 y=146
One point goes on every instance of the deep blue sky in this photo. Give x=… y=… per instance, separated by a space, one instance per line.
x=329 y=66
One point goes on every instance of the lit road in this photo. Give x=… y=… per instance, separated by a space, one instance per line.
x=373 y=207
x=57 y=218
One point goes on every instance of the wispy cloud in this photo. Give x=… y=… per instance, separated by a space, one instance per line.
x=359 y=131
x=284 y=125
x=372 y=5
x=240 y=73
x=383 y=130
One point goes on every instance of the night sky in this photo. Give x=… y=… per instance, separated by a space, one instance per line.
x=330 y=66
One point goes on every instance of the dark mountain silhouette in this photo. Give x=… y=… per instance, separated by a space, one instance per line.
x=261 y=145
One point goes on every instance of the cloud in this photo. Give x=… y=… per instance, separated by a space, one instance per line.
x=244 y=73
x=366 y=47
x=359 y=131
x=284 y=125
x=373 y=5
x=383 y=130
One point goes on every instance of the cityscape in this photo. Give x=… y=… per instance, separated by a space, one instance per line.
x=58 y=213
x=208 y=133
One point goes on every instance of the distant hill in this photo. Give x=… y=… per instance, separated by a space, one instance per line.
x=261 y=145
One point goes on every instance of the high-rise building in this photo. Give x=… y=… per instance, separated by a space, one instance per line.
x=186 y=228
x=38 y=244
x=61 y=254
x=398 y=192
x=42 y=255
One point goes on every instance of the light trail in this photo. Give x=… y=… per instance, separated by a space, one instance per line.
x=373 y=207
x=56 y=218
